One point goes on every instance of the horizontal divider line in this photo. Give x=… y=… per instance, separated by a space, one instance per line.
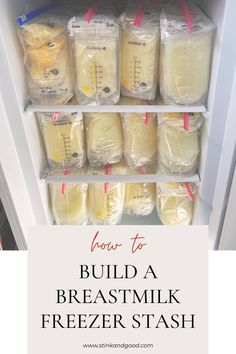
x=119 y=178
x=116 y=108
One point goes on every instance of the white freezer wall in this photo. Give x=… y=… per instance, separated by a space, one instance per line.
x=11 y=169
x=14 y=97
x=219 y=154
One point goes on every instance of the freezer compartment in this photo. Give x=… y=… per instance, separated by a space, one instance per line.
x=25 y=131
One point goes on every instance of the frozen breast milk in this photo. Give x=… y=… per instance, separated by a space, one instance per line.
x=106 y=206
x=104 y=138
x=140 y=143
x=185 y=57
x=69 y=203
x=140 y=198
x=96 y=57
x=174 y=205
x=140 y=54
x=64 y=139
x=47 y=59
x=178 y=146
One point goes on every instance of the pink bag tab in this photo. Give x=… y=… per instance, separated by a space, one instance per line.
x=186 y=121
x=139 y=14
x=147 y=118
x=90 y=13
x=63 y=187
x=55 y=116
x=108 y=170
x=187 y=14
x=141 y=170
x=189 y=192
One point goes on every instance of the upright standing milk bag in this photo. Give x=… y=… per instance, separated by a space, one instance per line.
x=140 y=198
x=47 y=57
x=140 y=52
x=175 y=202
x=106 y=200
x=104 y=138
x=186 y=51
x=64 y=140
x=69 y=203
x=96 y=56
x=178 y=142
x=140 y=143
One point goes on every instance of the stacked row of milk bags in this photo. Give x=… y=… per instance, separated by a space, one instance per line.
x=129 y=143
x=98 y=51
x=104 y=204
x=166 y=143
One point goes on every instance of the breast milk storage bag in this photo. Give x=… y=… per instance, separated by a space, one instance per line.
x=140 y=145
x=96 y=56
x=186 y=50
x=175 y=202
x=140 y=51
x=63 y=135
x=106 y=200
x=69 y=203
x=104 y=138
x=47 y=57
x=178 y=142
x=140 y=198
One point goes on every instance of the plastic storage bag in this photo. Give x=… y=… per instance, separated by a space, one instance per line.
x=185 y=54
x=69 y=203
x=106 y=207
x=106 y=200
x=96 y=56
x=104 y=138
x=175 y=202
x=47 y=58
x=140 y=51
x=64 y=139
x=178 y=142
x=140 y=198
x=140 y=143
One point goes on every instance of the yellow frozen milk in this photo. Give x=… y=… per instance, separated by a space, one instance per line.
x=69 y=205
x=178 y=147
x=47 y=59
x=174 y=206
x=96 y=56
x=140 y=198
x=140 y=142
x=106 y=206
x=140 y=54
x=104 y=138
x=185 y=62
x=64 y=139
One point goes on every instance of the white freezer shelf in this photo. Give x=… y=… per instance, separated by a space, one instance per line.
x=135 y=178
x=125 y=105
